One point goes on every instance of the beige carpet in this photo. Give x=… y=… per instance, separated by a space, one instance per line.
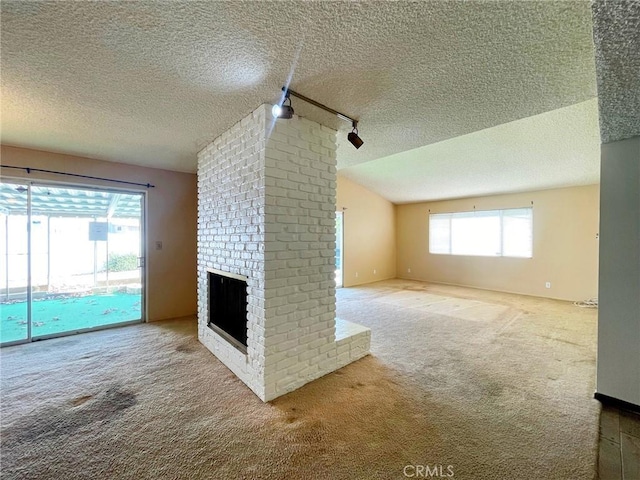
x=496 y=386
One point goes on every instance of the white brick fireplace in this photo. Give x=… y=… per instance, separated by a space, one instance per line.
x=266 y=212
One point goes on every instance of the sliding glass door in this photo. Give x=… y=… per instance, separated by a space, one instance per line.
x=83 y=254
x=14 y=262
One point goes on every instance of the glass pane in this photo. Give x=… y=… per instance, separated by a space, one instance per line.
x=476 y=234
x=440 y=233
x=517 y=229
x=13 y=262
x=339 y=220
x=85 y=250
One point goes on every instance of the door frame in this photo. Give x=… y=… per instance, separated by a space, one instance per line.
x=143 y=251
x=340 y=241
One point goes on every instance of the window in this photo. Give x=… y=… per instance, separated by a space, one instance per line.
x=493 y=233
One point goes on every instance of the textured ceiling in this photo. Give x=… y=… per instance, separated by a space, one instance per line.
x=150 y=83
x=617 y=37
x=554 y=149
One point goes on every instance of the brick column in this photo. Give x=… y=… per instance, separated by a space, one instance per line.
x=267 y=211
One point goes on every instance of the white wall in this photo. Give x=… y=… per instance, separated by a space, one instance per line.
x=619 y=283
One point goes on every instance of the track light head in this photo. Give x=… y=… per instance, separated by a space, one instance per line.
x=281 y=110
x=284 y=111
x=353 y=137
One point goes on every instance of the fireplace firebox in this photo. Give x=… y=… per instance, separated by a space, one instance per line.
x=228 y=307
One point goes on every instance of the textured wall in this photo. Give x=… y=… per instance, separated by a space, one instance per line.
x=231 y=233
x=300 y=169
x=565 y=247
x=267 y=211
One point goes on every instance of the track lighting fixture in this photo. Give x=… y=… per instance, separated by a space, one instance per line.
x=353 y=137
x=286 y=111
x=282 y=110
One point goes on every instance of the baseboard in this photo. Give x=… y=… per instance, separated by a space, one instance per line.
x=615 y=402
x=367 y=282
x=475 y=287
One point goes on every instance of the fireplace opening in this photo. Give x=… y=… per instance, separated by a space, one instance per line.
x=228 y=308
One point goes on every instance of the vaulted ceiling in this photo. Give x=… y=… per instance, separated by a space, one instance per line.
x=150 y=83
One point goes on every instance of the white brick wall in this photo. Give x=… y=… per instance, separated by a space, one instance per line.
x=266 y=210
x=231 y=233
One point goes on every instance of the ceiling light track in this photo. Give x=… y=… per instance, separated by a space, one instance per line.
x=286 y=111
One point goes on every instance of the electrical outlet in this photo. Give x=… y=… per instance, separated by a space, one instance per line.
x=547 y=285
x=374 y=271
x=158 y=245
x=356 y=274
x=408 y=270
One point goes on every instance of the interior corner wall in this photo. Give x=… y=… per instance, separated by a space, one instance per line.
x=171 y=218
x=369 y=239
x=565 y=245
x=619 y=296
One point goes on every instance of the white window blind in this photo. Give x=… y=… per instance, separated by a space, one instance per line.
x=517 y=232
x=497 y=233
x=440 y=233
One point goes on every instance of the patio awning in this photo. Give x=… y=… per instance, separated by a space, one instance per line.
x=69 y=202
